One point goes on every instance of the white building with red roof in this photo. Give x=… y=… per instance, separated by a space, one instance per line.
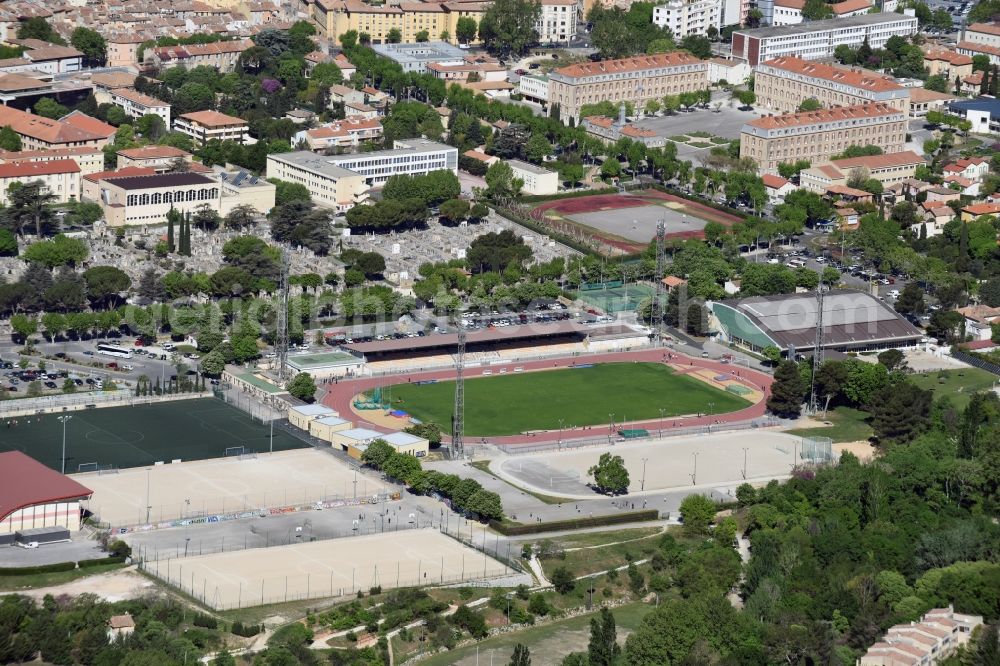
x=777 y=187
x=936 y=637
x=61 y=178
x=33 y=496
x=347 y=133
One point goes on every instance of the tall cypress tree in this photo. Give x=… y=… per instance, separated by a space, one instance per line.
x=993 y=80
x=984 y=83
x=170 y=229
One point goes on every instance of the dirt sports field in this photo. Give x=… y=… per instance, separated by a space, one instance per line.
x=221 y=485
x=627 y=222
x=331 y=568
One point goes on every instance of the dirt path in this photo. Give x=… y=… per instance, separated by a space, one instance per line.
x=114 y=586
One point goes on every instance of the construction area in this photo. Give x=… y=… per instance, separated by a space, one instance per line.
x=207 y=489
x=325 y=569
x=722 y=460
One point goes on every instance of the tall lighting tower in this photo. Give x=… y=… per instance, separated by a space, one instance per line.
x=458 y=418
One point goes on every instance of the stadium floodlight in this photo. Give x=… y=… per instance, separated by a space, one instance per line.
x=64 y=419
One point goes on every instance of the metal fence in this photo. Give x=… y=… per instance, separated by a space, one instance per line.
x=977 y=362
x=77 y=401
x=711 y=429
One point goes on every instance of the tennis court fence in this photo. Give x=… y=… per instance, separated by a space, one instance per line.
x=48 y=404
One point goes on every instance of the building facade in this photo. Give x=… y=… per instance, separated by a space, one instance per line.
x=60 y=177
x=340 y=134
x=203 y=126
x=159 y=158
x=534 y=88
x=888 y=169
x=815 y=40
x=557 y=23
x=131 y=200
x=937 y=636
x=220 y=55
x=38 y=133
x=637 y=80
x=685 y=17
x=90 y=160
x=784 y=83
x=415 y=57
x=136 y=105
x=537 y=180
x=335 y=17
x=817 y=135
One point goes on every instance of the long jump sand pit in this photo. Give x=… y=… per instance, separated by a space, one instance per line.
x=222 y=485
x=664 y=464
x=331 y=568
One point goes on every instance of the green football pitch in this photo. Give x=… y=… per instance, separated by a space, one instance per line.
x=140 y=435
x=514 y=403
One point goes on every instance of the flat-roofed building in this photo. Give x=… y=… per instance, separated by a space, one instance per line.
x=301 y=416
x=787 y=12
x=136 y=105
x=537 y=180
x=688 y=17
x=341 y=134
x=932 y=640
x=637 y=80
x=203 y=126
x=90 y=184
x=557 y=21
x=131 y=200
x=815 y=40
x=416 y=57
x=402 y=442
x=61 y=178
x=534 y=88
x=354 y=437
x=888 y=169
x=782 y=84
x=159 y=158
x=239 y=187
x=817 y=135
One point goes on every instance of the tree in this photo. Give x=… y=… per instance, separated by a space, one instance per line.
x=501 y=185
x=8 y=243
x=29 y=204
x=746 y=97
x=59 y=251
x=611 y=168
x=508 y=26
x=454 y=210
x=423 y=36
x=91 y=44
x=787 y=391
x=901 y=412
x=212 y=364
x=537 y=148
x=697 y=513
x=241 y=216
x=9 y=139
x=394 y=36
x=563 y=580
x=486 y=504
x=772 y=354
x=49 y=108
x=603 y=649
x=37 y=27
x=610 y=475
x=465 y=29
x=892 y=359
x=105 y=284
x=303 y=387
x=697 y=45
x=522 y=655
x=378 y=453
x=810 y=104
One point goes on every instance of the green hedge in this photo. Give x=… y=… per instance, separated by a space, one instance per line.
x=542 y=198
x=113 y=559
x=40 y=569
x=575 y=523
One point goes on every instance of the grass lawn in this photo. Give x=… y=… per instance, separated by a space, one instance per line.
x=13 y=583
x=847 y=425
x=548 y=643
x=515 y=403
x=957 y=384
x=589 y=539
x=602 y=558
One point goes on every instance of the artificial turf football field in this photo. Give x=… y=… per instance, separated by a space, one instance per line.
x=515 y=403
x=140 y=435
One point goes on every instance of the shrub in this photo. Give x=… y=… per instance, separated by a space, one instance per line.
x=43 y=568
x=376 y=589
x=114 y=559
x=246 y=630
x=563 y=580
x=206 y=621
x=538 y=605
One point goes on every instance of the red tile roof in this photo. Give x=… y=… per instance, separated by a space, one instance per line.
x=883 y=161
x=45 y=130
x=638 y=63
x=858 y=78
x=848 y=6
x=25 y=482
x=31 y=169
x=89 y=124
x=825 y=116
x=774 y=182
x=117 y=173
x=987 y=28
x=950 y=57
x=213 y=119
x=982 y=209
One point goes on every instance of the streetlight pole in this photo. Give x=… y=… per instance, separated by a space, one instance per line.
x=148 y=505
x=559 y=445
x=694 y=475
x=64 y=419
x=272 y=435
x=611 y=417
x=644 y=461
x=660 y=427
x=744 y=463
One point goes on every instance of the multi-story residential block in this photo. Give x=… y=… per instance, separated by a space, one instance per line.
x=787 y=12
x=817 y=135
x=727 y=70
x=986 y=34
x=335 y=17
x=888 y=169
x=50 y=58
x=203 y=126
x=220 y=55
x=535 y=180
x=936 y=637
x=816 y=40
x=136 y=105
x=534 y=88
x=158 y=158
x=340 y=134
x=38 y=133
x=948 y=64
x=490 y=70
x=982 y=112
x=848 y=8
x=689 y=17
x=637 y=80
x=123 y=50
x=416 y=57
x=557 y=22
x=60 y=177
x=341 y=181
x=90 y=160
x=784 y=83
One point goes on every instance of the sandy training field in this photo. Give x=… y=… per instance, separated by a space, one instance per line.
x=331 y=568
x=222 y=485
x=670 y=463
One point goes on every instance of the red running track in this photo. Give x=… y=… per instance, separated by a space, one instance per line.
x=339 y=396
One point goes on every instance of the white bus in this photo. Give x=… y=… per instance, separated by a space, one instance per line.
x=105 y=349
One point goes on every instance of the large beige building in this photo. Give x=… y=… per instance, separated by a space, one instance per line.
x=38 y=133
x=220 y=55
x=782 y=84
x=60 y=177
x=203 y=126
x=888 y=169
x=90 y=160
x=637 y=80
x=335 y=17
x=817 y=135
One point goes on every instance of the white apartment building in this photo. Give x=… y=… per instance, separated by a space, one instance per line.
x=60 y=177
x=136 y=105
x=203 y=126
x=557 y=22
x=342 y=181
x=537 y=180
x=534 y=88
x=689 y=17
x=938 y=634
x=787 y=12
x=815 y=40
x=347 y=133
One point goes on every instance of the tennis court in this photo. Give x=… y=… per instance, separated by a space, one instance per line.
x=222 y=486
x=331 y=568
x=121 y=437
x=617 y=299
